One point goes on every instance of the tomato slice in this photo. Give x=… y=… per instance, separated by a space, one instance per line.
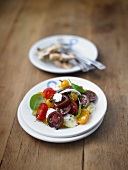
x=63 y=103
x=84 y=100
x=84 y=116
x=49 y=93
x=50 y=103
x=91 y=95
x=64 y=83
x=41 y=112
x=55 y=119
x=64 y=110
x=74 y=108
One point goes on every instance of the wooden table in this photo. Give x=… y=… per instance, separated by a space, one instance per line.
x=24 y=22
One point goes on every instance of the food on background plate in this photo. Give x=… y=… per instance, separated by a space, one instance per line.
x=68 y=106
x=58 y=58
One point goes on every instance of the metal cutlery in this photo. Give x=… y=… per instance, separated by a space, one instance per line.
x=83 y=66
x=88 y=61
x=85 y=63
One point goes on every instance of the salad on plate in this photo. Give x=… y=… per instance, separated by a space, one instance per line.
x=67 y=105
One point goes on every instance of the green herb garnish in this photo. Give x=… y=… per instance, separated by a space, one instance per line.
x=35 y=101
x=78 y=88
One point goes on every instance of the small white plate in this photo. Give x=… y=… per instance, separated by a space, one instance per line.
x=50 y=139
x=41 y=128
x=82 y=46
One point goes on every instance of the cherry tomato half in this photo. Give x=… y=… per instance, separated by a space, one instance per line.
x=74 y=96
x=64 y=110
x=50 y=103
x=41 y=94
x=84 y=100
x=74 y=108
x=55 y=119
x=84 y=116
x=49 y=93
x=63 y=103
x=41 y=112
x=91 y=95
x=64 y=83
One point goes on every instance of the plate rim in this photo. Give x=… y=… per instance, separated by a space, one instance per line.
x=38 y=136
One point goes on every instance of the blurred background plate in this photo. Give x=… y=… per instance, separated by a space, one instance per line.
x=81 y=45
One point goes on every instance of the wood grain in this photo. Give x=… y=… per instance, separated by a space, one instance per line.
x=22 y=23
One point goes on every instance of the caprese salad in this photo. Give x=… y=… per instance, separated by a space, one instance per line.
x=68 y=106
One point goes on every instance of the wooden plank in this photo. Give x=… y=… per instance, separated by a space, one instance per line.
x=103 y=23
x=13 y=74
x=107 y=148
x=9 y=12
x=29 y=153
x=18 y=71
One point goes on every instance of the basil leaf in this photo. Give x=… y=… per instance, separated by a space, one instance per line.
x=79 y=110
x=78 y=88
x=35 y=101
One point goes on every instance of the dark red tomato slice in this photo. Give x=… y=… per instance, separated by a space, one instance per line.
x=64 y=110
x=63 y=103
x=91 y=95
x=55 y=119
x=84 y=100
x=49 y=93
x=74 y=108
x=41 y=112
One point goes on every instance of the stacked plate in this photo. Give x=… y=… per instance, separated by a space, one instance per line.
x=43 y=132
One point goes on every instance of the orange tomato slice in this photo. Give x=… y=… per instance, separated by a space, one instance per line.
x=84 y=116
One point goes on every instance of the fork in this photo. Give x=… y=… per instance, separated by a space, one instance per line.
x=83 y=66
x=67 y=47
x=88 y=61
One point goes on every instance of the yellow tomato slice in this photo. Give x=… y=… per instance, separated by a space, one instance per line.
x=50 y=103
x=45 y=122
x=64 y=83
x=74 y=96
x=41 y=94
x=84 y=116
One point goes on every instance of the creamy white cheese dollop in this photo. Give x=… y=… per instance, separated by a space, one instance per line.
x=57 y=97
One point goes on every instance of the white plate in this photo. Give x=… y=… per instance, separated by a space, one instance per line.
x=50 y=139
x=82 y=46
x=41 y=128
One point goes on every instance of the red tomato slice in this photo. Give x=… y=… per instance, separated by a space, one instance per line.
x=55 y=119
x=41 y=112
x=91 y=95
x=84 y=100
x=74 y=108
x=49 y=93
x=64 y=110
